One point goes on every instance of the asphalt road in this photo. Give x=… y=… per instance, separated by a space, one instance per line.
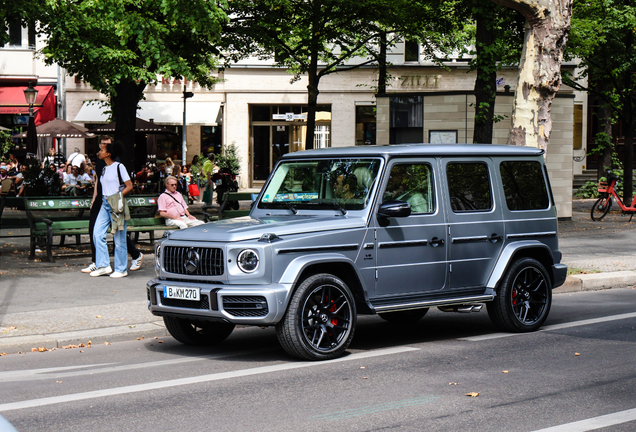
x=394 y=378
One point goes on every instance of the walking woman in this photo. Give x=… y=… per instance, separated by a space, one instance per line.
x=116 y=184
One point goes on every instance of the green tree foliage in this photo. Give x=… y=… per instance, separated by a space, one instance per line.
x=120 y=46
x=321 y=37
x=24 y=12
x=602 y=38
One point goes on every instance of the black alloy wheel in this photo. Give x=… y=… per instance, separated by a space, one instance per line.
x=524 y=297
x=320 y=321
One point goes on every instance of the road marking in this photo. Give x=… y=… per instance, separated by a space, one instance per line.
x=553 y=327
x=71 y=371
x=594 y=422
x=194 y=380
x=338 y=415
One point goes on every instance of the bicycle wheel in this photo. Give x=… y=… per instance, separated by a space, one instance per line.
x=601 y=207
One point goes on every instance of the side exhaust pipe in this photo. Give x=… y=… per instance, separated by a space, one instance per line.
x=462 y=308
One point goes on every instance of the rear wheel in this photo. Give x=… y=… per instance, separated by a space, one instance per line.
x=523 y=298
x=601 y=207
x=198 y=332
x=404 y=317
x=320 y=320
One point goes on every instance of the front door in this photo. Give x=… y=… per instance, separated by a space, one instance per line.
x=411 y=251
x=475 y=221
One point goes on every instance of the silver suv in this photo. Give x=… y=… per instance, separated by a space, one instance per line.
x=387 y=230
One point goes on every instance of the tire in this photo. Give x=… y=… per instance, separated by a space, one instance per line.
x=601 y=207
x=198 y=333
x=404 y=317
x=320 y=321
x=523 y=298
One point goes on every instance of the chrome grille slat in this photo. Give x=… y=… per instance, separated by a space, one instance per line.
x=210 y=260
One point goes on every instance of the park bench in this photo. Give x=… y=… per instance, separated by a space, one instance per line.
x=61 y=216
x=230 y=209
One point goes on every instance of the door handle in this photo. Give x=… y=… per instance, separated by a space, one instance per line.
x=437 y=242
x=494 y=238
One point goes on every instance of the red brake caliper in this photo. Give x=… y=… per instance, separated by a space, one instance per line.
x=514 y=296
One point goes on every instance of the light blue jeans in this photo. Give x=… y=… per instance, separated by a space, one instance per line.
x=102 y=223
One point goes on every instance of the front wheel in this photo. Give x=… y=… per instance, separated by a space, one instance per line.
x=523 y=298
x=197 y=333
x=320 y=320
x=601 y=207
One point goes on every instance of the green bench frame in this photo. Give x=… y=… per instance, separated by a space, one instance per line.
x=43 y=229
x=225 y=210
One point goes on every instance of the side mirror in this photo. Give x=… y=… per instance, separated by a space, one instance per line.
x=394 y=209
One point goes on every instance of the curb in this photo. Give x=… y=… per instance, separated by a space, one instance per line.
x=597 y=281
x=95 y=336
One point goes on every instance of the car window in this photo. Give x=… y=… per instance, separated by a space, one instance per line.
x=321 y=184
x=468 y=187
x=524 y=185
x=412 y=183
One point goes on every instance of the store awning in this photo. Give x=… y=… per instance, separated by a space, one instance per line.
x=12 y=102
x=164 y=113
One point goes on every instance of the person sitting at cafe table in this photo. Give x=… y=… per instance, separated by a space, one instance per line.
x=173 y=207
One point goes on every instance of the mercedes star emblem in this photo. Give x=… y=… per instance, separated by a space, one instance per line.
x=191 y=262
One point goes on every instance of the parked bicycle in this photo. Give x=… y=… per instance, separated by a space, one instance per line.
x=603 y=205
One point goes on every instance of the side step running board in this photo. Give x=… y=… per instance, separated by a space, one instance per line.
x=462 y=308
x=463 y=301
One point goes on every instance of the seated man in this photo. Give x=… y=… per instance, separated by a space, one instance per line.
x=172 y=206
x=72 y=183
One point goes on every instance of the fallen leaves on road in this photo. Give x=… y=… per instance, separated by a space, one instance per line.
x=40 y=349
x=453 y=383
x=576 y=354
x=107 y=343
x=81 y=345
x=504 y=371
x=3 y=354
x=8 y=329
x=59 y=382
x=98 y=316
x=472 y=394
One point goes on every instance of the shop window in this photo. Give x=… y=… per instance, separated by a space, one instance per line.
x=468 y=187
x=411 y=51
x=261 y=113
x=407 y=117
x=578 y=127
x=365 y=124
x=211 y=139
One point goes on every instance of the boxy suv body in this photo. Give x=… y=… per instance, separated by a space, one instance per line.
x=388 y=230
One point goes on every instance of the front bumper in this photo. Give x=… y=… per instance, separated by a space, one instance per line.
x=238 y=304
x=559 y=273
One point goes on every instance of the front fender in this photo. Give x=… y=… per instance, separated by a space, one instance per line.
x=297 y=266
x=508 y=253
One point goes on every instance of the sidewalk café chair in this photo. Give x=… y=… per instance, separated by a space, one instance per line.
x=7 y=188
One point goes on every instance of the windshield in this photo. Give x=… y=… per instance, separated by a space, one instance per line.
x=324 y=183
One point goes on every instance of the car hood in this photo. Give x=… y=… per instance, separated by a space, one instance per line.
x=246 y=228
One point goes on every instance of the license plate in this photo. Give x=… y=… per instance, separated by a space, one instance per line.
x=182 y=293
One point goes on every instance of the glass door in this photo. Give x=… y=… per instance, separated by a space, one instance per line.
x=261 y=153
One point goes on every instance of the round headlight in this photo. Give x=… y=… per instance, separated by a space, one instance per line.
x=158 y=254
x=247 y=261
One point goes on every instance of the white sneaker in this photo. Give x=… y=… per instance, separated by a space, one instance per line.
x=102 y=271
x=91 y=268
x=118 y=274
x=136 y=263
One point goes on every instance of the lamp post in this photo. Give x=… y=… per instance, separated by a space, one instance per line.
x=30 y=94
x=186 y=95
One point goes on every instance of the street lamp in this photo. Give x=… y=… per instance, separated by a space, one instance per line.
x=186 y=95
x=30 y=94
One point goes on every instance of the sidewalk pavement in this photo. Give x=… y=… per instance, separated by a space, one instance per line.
x=52 y=305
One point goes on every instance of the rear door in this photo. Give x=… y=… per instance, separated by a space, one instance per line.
x=475 y=224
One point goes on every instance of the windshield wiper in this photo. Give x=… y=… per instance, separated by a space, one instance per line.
x=291 y=207
x=334 y=204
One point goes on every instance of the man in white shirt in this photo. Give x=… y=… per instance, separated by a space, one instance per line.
x=76 y=158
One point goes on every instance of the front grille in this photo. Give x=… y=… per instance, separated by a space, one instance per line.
x=245 y=306
x=210 y=260
x=204 y=303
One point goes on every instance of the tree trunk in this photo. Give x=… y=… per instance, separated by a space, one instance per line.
x=382 y=64
x=124 y=106
x=312 y=100
x=486 y=81
x=605 y=126
x=628 y=176
x=547 y=27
